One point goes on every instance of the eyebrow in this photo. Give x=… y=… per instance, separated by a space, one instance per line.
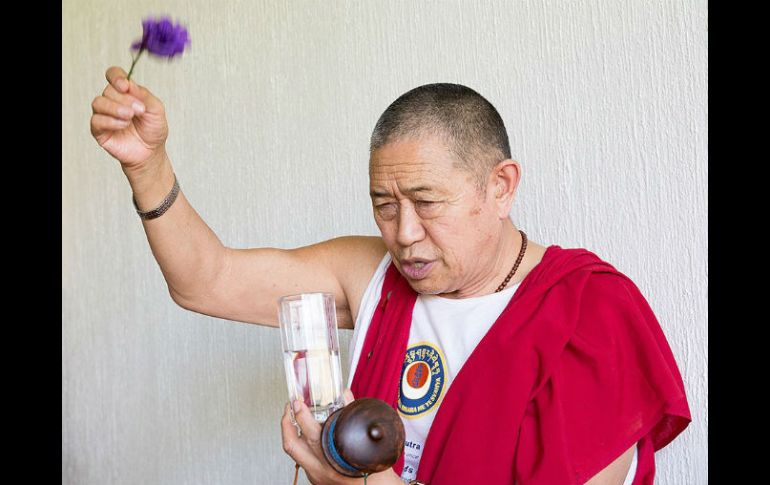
x=411 y=190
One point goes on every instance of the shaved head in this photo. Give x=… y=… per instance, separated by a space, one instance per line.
x=469 y=125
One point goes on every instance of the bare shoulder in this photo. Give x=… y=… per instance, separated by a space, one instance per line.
x=353 y=259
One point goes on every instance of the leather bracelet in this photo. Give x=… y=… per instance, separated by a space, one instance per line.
x=163 y=207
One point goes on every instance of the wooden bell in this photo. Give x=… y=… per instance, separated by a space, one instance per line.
x=364 y=437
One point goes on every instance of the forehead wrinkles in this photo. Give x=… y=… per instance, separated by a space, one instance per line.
x=408 y=164
x=406 y=178
x=403 y=170
x=426 y=150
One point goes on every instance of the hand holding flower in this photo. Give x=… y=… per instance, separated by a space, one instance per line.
x=129 y=122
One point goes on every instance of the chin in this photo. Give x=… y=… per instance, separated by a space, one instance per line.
x=424 y=287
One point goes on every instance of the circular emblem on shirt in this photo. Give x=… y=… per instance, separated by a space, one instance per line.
x=422 y=380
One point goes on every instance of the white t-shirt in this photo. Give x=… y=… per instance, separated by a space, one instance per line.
x=444 y=332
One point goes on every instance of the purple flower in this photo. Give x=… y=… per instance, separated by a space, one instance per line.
x=161 y=38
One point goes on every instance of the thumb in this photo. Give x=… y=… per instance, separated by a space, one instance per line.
x=151 y=103
x=348 y=394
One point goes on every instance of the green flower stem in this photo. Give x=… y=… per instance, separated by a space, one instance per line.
x=128 y=78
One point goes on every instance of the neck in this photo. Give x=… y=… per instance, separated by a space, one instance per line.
x=511 y=244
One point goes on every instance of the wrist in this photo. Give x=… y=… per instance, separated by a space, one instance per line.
x=151 y=183
x=385 y=477
x=151 y=169
x=168 y=201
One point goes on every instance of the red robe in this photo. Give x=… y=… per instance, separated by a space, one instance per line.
x=574 y=371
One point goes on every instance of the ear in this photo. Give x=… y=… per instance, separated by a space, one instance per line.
x=503 y=182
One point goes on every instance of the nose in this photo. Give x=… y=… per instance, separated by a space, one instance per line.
x=410 y=228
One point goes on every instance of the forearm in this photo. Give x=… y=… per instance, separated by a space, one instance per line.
x=189 y=253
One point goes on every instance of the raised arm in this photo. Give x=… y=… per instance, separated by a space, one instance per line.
x=202 y=274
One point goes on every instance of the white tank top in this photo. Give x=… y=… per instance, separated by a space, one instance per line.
x=444 y=332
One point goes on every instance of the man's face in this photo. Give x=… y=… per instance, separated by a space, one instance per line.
x=442 y=232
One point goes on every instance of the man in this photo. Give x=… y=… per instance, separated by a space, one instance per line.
x=450 y=276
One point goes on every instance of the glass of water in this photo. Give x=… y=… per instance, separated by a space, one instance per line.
x=311 y=355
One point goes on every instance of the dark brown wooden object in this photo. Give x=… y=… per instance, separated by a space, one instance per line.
x=366 y=436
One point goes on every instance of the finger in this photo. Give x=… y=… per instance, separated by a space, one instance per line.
x=348 y=395
x=104 y=123
x=294 y=445
x=293 y=419
x=153 y=104
x=117 y=78
x=108 y=107
x=287 y=412
x=124 y=99
x=310 y=427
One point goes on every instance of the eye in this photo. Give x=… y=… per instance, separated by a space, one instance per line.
x=387 y=210
x=426 y=206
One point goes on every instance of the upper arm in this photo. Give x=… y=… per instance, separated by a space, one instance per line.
x=251 y=281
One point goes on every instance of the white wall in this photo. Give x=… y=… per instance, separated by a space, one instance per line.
x=270 y=113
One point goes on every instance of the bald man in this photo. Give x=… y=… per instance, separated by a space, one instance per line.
x=451 y=285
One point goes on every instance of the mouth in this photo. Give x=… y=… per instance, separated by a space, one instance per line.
x=416 y=268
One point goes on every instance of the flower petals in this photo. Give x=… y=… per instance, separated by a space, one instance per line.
x=162 y=38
